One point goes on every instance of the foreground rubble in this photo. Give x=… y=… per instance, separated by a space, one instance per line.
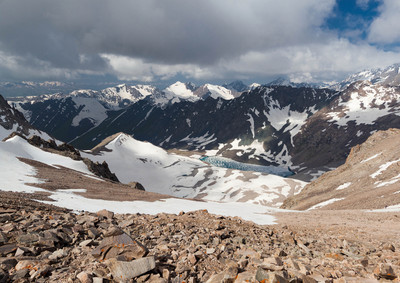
x=41 y=243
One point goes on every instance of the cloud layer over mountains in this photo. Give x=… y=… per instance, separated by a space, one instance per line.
x=152 y=40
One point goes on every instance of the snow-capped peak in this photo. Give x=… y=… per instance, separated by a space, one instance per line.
x=254 y=85
x=213 y=91
x=180 y=90
x=219 y=91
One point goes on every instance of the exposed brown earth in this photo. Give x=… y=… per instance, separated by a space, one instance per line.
x=368 y=180
x=352 y=225
x=62 y=178
x=42 y=243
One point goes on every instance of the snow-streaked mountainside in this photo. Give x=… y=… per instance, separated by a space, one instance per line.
x=362 y=109
x=257 y=127
x=188 y=177
x=308 y=129
x=389 y=76
x=176 y=93
x=238 y=86
x=214 y=91
x=11 y=120
x=368 y=180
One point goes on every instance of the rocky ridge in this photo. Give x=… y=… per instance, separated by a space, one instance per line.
x=42 y=243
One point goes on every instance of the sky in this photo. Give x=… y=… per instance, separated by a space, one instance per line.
x=158 y=41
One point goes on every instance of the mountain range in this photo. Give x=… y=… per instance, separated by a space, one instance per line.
x=261 y=135
x=308 y=130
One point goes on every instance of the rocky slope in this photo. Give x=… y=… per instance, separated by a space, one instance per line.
x=41 y=243
x=368 y=180
x=11 y=120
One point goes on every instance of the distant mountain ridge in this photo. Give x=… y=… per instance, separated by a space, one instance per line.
x=389 y=76
x=68 y=116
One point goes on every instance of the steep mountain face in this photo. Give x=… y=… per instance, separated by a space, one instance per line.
x=348 y=120
x=258 y=126
x=368 y=180
x=67 y=116
x=180 y=92
x=11 y=120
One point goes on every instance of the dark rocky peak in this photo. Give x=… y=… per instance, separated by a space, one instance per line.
x=12 y=119
x=237 y=86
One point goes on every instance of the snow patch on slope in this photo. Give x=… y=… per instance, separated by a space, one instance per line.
x=280 y=117
x=92 y=109
x=325 y=203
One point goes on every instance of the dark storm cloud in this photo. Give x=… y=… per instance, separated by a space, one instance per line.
x=175 y=31
x=147 y=39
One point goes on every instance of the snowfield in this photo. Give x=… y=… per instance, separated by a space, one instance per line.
x=186 y=177
x=250 y=212
x=14 y=173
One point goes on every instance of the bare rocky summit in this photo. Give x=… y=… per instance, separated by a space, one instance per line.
x=42 y=243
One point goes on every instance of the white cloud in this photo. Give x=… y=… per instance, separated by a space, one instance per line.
x=136 y=69
x=385 y=28
x=332 y=59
